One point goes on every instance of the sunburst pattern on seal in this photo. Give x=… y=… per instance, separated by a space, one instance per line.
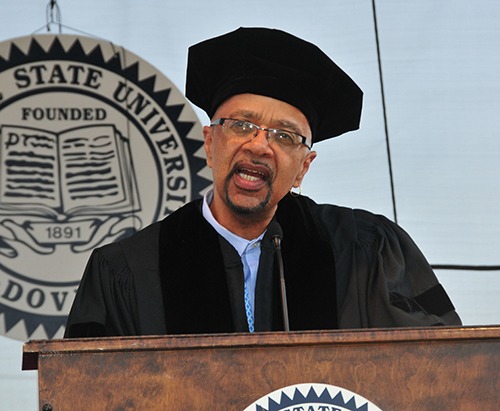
x=32 y=322
x=325 y=398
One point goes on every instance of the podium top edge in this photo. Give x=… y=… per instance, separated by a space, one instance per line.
x=32 y=349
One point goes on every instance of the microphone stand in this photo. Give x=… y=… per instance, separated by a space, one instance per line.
x=277 y=243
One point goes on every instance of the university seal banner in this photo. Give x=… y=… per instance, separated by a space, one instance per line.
x=95 y=144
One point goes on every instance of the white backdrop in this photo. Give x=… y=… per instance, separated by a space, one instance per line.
x=440 y=66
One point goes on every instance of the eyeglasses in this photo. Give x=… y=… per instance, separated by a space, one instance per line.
x=242 y=129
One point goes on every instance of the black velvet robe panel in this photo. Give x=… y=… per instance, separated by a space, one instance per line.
x=195 y=286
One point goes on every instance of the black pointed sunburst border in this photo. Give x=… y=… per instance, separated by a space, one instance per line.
x=288 y=403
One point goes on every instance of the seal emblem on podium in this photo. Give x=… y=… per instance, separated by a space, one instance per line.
x=312 y=397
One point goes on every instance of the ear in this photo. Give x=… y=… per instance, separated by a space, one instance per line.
x=207 y=135
x=305 y=168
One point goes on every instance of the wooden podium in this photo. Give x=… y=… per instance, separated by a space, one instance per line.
x=434 y=369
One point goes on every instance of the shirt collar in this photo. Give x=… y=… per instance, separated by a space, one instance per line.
x=239 y=243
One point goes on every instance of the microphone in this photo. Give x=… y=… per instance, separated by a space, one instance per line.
x=276 y=233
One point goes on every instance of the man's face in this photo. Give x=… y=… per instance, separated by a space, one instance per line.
x=252 y=176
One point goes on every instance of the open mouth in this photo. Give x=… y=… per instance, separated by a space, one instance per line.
x=251 y=175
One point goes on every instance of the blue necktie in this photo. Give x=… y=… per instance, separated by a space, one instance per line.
x=248 y=310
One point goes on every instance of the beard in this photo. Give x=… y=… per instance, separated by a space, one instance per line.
x=242 y=210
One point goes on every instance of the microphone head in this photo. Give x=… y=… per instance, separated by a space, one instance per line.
x=275 y=232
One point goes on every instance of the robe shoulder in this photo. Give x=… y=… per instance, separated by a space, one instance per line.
x=383 y=279
x=120 y=291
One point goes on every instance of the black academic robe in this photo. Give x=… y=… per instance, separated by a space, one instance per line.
x=344 y=268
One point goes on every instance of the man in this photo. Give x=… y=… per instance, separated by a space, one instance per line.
x=211 y=266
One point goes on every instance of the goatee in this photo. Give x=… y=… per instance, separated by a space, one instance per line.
x=241 y=210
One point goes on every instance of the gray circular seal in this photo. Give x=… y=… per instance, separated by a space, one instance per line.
x=95 y=144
